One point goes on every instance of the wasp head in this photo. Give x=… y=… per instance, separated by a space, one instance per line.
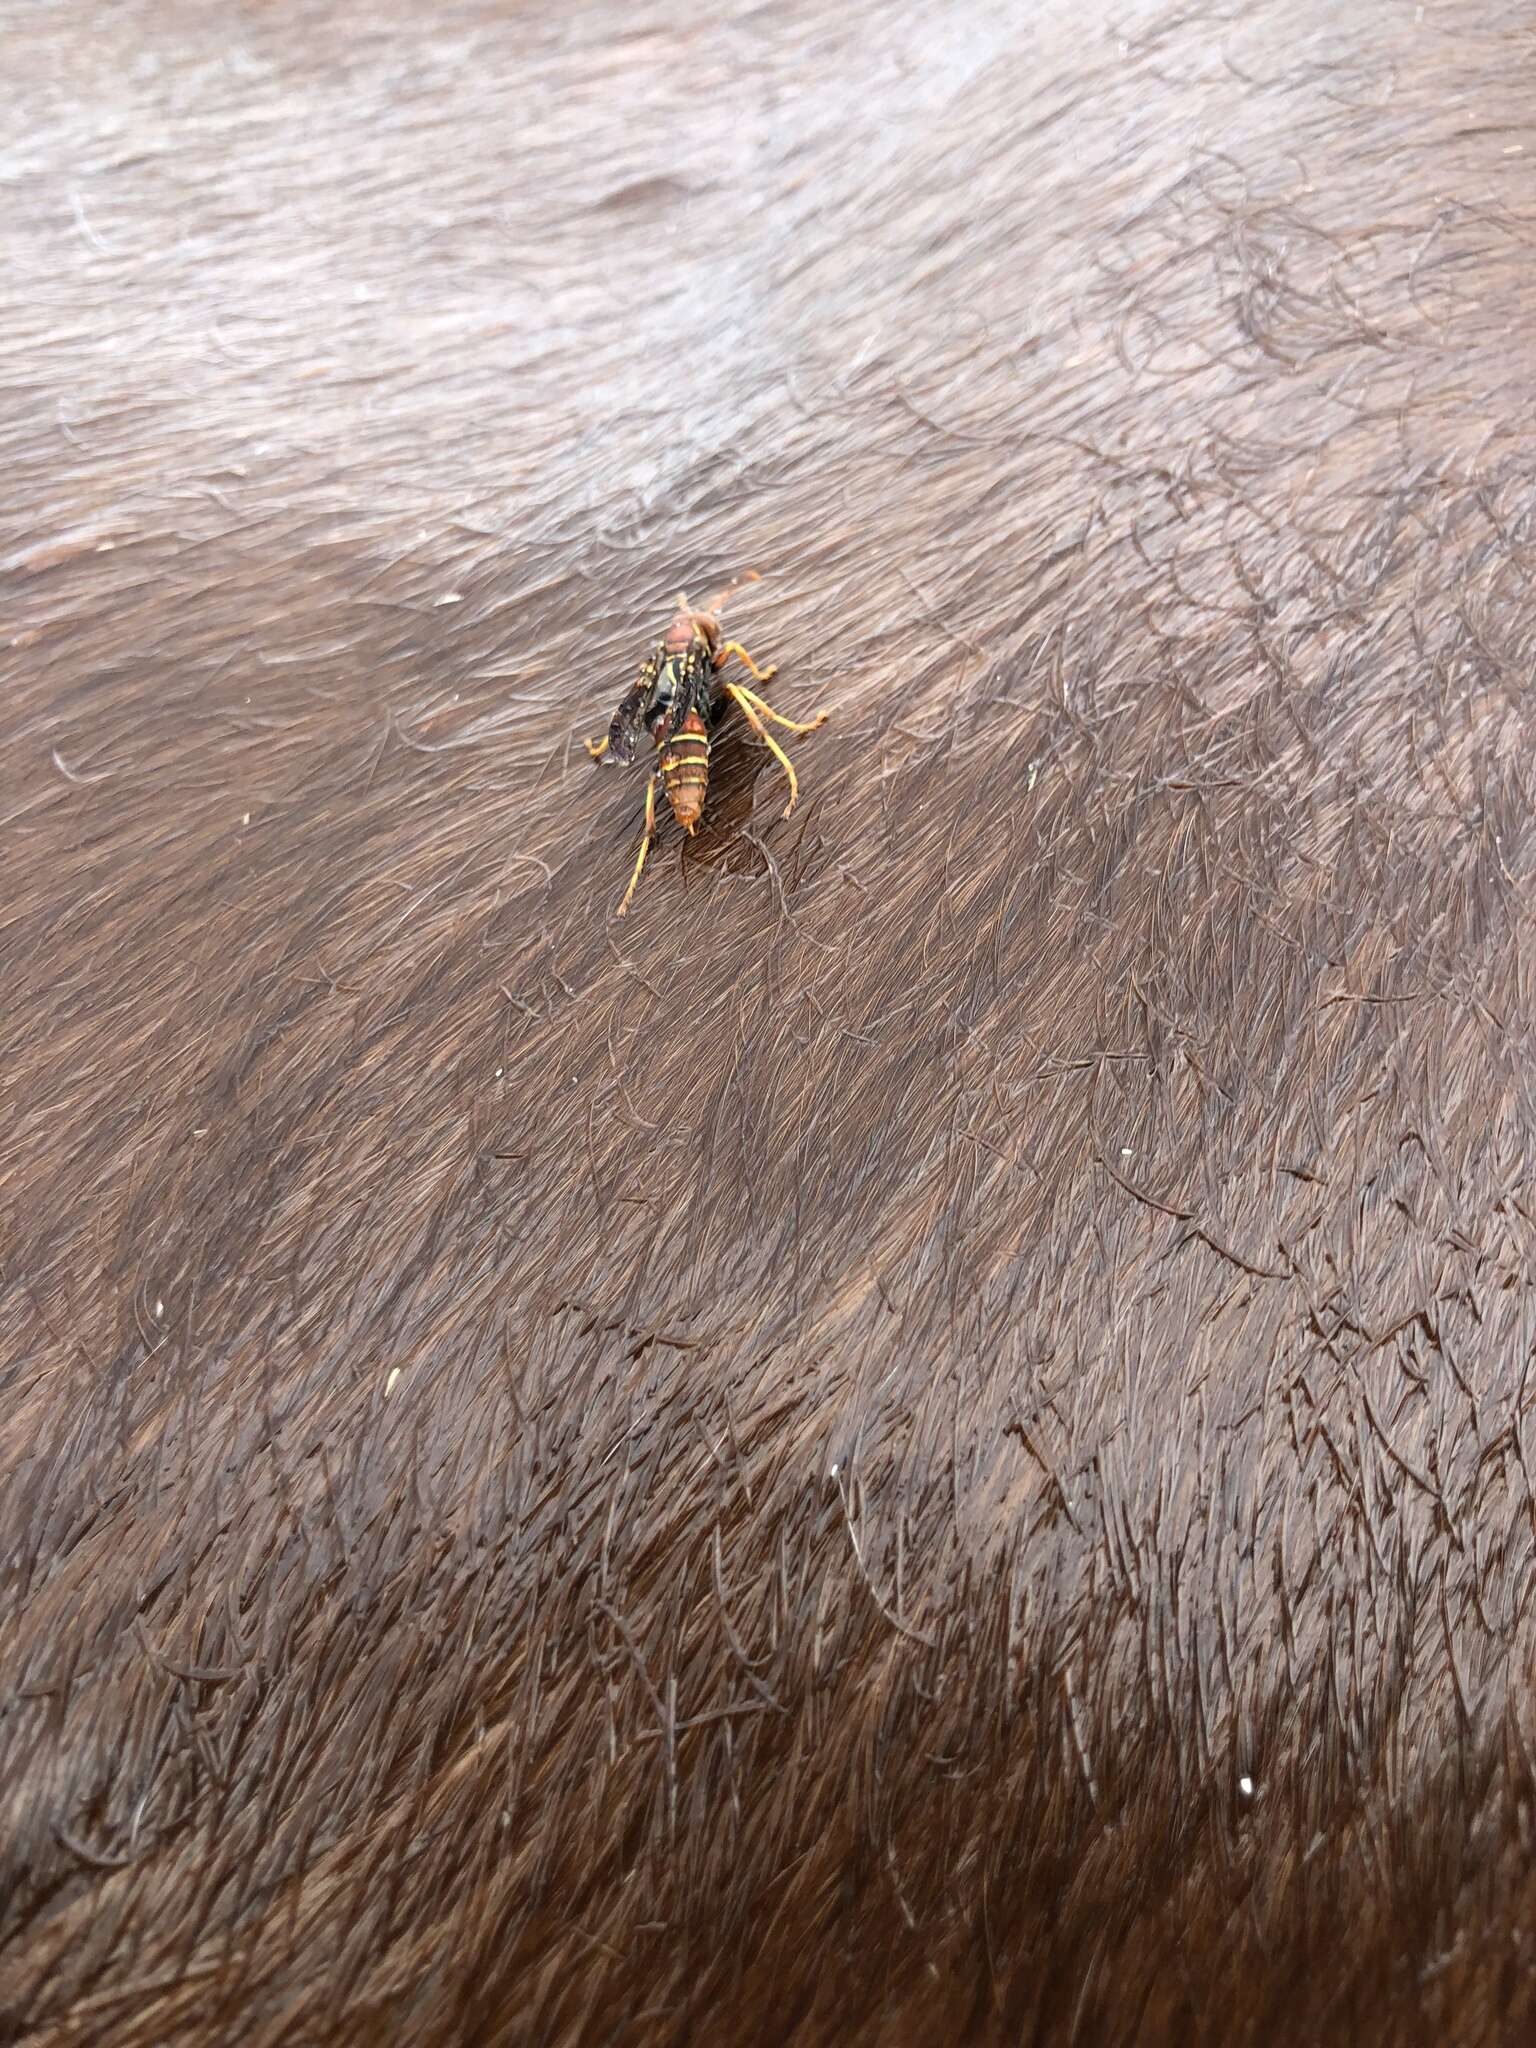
x=689 y=627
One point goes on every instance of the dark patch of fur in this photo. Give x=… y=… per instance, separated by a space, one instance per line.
x=930 y=1439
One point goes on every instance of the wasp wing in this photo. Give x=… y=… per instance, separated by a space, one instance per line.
x=630 y=720
x=683 y=684
x=695 y=690
x=628 y=724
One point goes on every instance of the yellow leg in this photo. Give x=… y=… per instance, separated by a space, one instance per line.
x=645 y=843
x=768 y=740
x=761 y=675
x=740 y=691
x=596 y=748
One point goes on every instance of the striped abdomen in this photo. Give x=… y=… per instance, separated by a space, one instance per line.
x=685 y=769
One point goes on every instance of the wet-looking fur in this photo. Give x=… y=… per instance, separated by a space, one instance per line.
x=930 y=1439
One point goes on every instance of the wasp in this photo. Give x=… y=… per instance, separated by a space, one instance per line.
x=674 y=700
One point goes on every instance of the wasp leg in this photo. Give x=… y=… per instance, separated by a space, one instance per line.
x=760 y=675
x=645 y=843
x=741 y=691
x=596 y=748
x=743 y=698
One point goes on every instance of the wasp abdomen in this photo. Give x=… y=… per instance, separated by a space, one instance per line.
x=685 y=769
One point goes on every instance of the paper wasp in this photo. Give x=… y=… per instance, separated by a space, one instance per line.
x=674 y=700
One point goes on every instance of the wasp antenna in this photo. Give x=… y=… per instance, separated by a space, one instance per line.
x=730 y=590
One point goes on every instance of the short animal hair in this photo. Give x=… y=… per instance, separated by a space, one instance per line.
x=929 y=1439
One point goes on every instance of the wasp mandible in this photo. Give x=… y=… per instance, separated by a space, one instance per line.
x=674 y=701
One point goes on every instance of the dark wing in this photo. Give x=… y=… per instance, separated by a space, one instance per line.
x=683 y=684
x=698 y=691
x=629 y=720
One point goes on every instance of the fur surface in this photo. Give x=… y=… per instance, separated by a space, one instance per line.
x=930 y=1439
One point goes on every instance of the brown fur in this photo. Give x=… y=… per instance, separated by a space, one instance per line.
x=1029 y=1537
